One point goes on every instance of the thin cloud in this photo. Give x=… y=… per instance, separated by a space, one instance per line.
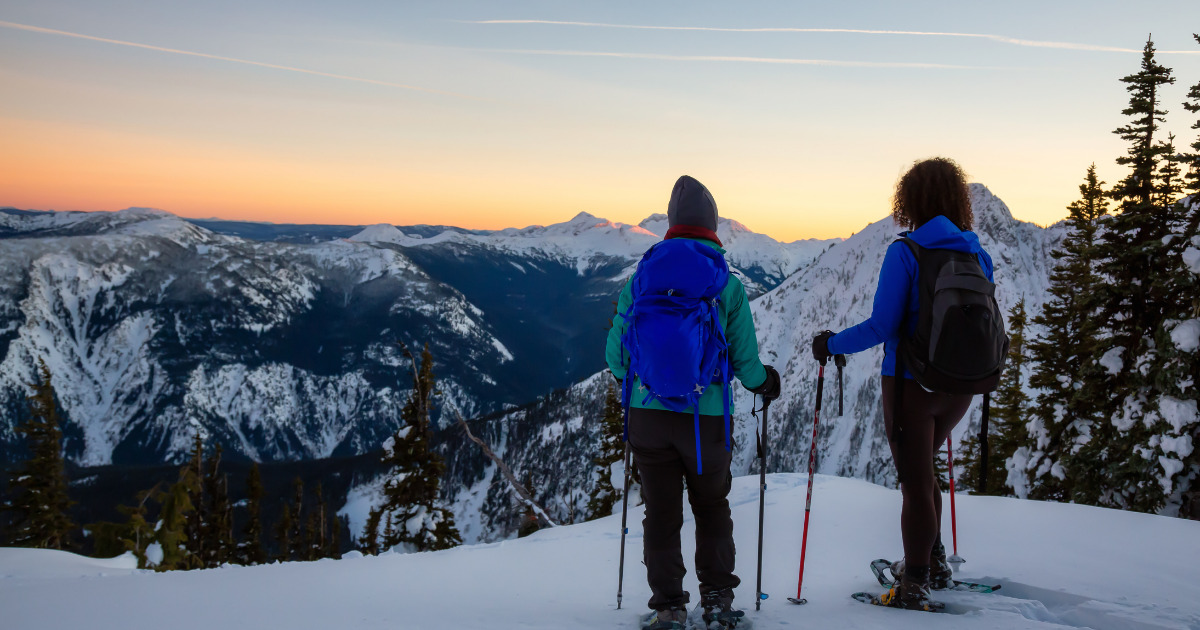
x=996 y=38
x=50 y=31
x=769 y=60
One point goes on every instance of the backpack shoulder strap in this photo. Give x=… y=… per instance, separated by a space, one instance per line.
x=912 y=246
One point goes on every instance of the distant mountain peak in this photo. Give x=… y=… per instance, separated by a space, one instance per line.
x=380 y=233
x=144 y=212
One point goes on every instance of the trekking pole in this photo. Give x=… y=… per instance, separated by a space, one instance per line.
x=762 y=490
x=840 y=361
x=955 y=559
x=624 y=527
x=812 y=468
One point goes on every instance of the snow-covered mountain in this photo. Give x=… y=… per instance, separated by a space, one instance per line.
x=833 y=292
x=279 y=341
x=766 y=261
x=1060 y=567
x=154 y=329
x=836 y=292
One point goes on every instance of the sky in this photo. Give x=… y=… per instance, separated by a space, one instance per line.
x=799 y=117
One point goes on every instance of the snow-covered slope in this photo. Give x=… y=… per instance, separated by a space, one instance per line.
x=1060 y=566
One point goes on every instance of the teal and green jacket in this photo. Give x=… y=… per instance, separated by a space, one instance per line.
x=738 y=323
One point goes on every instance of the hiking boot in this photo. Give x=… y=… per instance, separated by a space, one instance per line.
x=941 y=576
x=718 y=610
x=910 y=595
x=667 y=619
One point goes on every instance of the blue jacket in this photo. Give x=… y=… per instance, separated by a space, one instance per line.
x=896 y=295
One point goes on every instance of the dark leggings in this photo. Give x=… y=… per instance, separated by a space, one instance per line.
x=926 y=419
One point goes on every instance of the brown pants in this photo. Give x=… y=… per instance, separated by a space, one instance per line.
x=926 y=419
x=664 y=450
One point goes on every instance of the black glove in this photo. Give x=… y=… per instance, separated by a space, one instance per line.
x=770 y=388
x=820 y=346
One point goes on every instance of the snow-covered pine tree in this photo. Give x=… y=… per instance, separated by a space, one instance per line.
x=1009 y=413
x=1130 y=253
x=603 y=495
x=1062 y=356
x=1189 y=486
x=38 y=502
x=411 y=500
x=250 y=549
x=1173 y=419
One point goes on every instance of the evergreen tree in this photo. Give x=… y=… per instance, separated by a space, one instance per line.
x=1062 y=357
x=1192 y=104
x=322 y=536
x=612 y=450
x=135 y=535
x=175 y=549
x=217 y=531
x=296 y=536
x=333 y=548
x=529 y=516
x=195 y=527
x=1131 y=251
x=1187 y=483
x=411 y=497
x=38 y=488
x=370 y=536
x=250 y=549
x=283 y=532
x=1006 y=426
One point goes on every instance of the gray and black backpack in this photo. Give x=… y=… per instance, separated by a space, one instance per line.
x=959 y=345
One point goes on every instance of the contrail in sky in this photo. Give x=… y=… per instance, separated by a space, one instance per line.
x=50 y=31
x=772 y=60
x=996 y=38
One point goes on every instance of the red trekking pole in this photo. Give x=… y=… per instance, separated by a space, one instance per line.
x=954 y=559
x=812 y=468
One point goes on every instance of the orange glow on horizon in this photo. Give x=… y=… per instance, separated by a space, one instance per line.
x=80 y=168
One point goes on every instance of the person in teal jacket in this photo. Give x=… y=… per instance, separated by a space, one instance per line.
x=664 y=442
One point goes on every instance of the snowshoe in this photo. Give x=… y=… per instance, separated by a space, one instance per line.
x=667 y=619
x=886 y=573
x=905 y=595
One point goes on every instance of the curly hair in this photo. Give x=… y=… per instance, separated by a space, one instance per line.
x=932 y=187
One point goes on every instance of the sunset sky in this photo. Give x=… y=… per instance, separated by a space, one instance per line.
x=798 y=116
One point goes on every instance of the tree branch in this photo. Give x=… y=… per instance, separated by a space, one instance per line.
x=520 y=489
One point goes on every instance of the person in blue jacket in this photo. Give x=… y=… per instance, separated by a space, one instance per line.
x=933 y=202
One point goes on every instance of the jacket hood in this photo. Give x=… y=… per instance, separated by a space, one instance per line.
x=940 y=233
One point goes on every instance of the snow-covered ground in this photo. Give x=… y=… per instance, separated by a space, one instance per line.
x=1061 y=566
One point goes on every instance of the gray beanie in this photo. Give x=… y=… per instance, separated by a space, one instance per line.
x=691 y=204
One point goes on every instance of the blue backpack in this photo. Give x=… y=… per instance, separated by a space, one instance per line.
x=674 y=337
